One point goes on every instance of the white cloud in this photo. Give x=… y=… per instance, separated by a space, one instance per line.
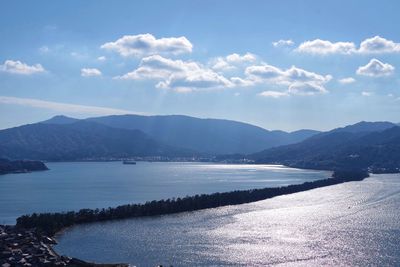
x=187 y=76
x=324 y=47
x=182 y=76
x=306 y=88
x=283 y=43
x=376 y=68
x=18 y=67
x=347 y=80
x=378 y=44
x=146 y=44
x=200 y=79
x=158 y=67
x=101 y=58
x=299 y=75
x=231 y=61
x=374 y=45
x=366 y=93
x=88 y=72
x=236 y=58
x=274 y=94
x=62 y=107
x=220 y=64
x=263 y=72
x=44 y=49
x=298 y=81
x=239 y=82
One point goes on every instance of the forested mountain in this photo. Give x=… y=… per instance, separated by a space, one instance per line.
x=212 y=136
x=374 y=145
x=79 y=140
x=364 y=126
x=348 y=148
x=60 y=119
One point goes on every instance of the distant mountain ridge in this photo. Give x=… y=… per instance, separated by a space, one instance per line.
x=60 y=119
x=364 y=145
x=212 y=136
x=364 y=126
x=79 y=140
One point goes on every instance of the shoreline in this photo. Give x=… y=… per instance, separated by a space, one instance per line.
x=47 y=225
x=27 y=247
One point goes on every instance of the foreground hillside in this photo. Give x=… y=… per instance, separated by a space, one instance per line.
x=211 y=136
x=377 y=150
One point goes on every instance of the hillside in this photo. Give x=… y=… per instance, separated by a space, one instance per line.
x=364 y=126
x=79 y=140
x=212 y=136
x=375 y=150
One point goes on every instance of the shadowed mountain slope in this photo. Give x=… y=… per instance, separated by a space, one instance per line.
x=378 y=150
x=213 y=136
x=79 y=140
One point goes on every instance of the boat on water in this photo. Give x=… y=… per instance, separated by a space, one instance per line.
x=130 y=162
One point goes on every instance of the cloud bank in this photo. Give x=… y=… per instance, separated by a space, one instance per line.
x=297 y=81
x=18 y=67
x=63 y=107
x=146 y=44
x=374 y=45
x=324 y=47
x=183 y=76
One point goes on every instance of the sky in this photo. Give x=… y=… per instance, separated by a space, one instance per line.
x=277 y=64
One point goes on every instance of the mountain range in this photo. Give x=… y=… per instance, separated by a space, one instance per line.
x=80 y=140
x=63 y=138
x=364 y=145
x=207 y=136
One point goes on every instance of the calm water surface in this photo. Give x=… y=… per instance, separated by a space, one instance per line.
x=76 y=185
x=351 y=224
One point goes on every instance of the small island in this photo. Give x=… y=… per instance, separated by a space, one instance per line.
x=21 y=166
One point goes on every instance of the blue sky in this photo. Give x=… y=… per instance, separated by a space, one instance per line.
x=277 y=64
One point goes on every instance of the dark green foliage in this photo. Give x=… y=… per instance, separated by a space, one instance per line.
x=50 y=223
x=16 y=166
x=354 y=175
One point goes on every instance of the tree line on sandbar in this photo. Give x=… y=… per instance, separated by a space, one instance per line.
x=50 y=223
